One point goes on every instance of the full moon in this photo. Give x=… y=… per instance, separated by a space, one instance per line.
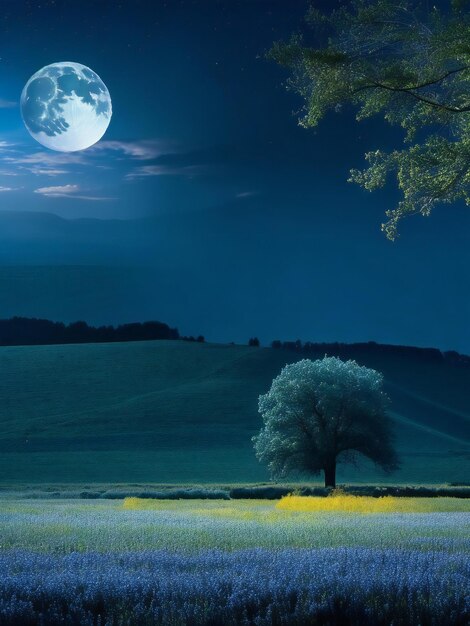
x=66 y=106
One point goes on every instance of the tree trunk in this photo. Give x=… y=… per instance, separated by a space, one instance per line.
x=330 y=475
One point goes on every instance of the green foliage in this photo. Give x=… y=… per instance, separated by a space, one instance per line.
x=409 y=64
x=318 y=412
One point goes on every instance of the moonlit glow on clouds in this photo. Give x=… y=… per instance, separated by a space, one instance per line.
x=164 y=170
x=140 y=150
x=7 y=104
x=125 y=161
x=205 y=175
x=67 y=191
x=59 y=190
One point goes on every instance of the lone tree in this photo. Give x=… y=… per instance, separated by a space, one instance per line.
x=409 y=62
x=319 y=413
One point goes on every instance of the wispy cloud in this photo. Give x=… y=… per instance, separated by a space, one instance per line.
x=44 y=158
x=118 y=160
x=49 y=163
x=246 y=194
x=178 y=163
x=40 y=163
x=67 y=191
x=7 y=189
x=7 y=151
x=145 y=171
x=7 y=104
x=8 y=173
x=58 y=191
x=140 y=150
x=44 y=171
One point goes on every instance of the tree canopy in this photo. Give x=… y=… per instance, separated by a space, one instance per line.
x=408 y=62
x=318 y=413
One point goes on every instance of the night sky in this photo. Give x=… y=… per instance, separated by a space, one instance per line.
x=205 y=205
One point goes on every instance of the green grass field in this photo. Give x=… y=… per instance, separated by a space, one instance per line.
x=110 y=526
x=179 y=412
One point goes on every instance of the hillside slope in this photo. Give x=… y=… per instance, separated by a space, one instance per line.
x=170 y=411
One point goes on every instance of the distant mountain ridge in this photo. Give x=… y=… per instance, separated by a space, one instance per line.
x=232 y=271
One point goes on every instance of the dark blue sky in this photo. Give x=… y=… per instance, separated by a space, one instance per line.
x=242 y=222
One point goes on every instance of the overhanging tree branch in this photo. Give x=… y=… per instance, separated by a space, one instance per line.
x=411 y=91
x=371 y=52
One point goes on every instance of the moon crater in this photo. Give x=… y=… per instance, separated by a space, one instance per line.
x=66 y=106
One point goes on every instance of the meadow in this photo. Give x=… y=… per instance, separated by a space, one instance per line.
x=83 y=426
x=213 y=562
x=177 y=412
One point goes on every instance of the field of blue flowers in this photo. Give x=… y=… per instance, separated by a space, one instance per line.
x=229 y=562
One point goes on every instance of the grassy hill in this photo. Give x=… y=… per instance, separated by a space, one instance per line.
x=177 y=412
